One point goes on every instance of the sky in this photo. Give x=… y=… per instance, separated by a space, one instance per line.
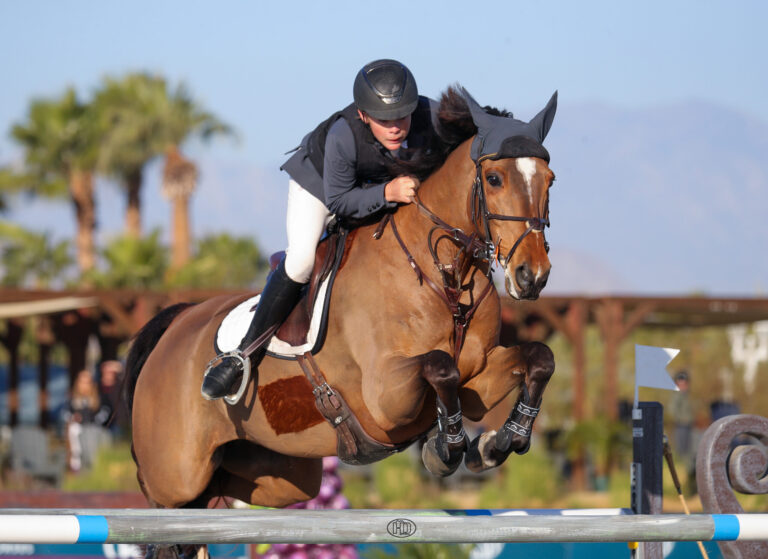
x=274 y=70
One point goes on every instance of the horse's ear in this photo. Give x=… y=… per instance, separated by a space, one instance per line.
x=481 y=119
x=542 y=122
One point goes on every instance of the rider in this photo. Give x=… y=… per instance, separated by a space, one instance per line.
x=363 y=159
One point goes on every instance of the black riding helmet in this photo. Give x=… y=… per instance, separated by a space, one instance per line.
x=385 y=89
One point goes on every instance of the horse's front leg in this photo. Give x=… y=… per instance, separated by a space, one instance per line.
x=443 y=452
x=534 y=364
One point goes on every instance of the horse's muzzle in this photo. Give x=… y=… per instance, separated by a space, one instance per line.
x=526 y=285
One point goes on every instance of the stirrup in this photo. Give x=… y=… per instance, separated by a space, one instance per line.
x=245 y=363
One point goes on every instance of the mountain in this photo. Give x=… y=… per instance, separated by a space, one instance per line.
x=667 y=199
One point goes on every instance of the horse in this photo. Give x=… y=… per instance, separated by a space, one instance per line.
x=403 y=351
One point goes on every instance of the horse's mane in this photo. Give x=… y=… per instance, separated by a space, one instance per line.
x=454 y=125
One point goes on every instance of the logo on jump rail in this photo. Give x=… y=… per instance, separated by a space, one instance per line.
x=401 y=528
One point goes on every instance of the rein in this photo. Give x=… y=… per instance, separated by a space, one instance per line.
x=472 y=246
x=449 y=294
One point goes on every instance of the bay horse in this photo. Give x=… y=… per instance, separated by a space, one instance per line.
x=403 y=350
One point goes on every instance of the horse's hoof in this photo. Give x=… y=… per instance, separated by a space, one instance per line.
x=482 y=454
x=525 y=448
x=507 y=441
x=433 y=463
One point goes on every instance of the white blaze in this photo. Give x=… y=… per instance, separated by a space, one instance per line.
x=527 y=168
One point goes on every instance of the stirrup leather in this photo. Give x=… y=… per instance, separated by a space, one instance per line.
x=245 y=363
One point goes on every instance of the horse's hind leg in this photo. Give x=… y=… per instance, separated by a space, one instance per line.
x=491 y=448
x=442 y=453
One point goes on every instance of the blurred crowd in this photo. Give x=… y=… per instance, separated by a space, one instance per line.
x=91 y=415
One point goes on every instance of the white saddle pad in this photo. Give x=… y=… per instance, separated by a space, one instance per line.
x=235 y=325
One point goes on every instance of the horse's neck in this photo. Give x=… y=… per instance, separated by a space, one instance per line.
x=447 y=194
x=447 y=191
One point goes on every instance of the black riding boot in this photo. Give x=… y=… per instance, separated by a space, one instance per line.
x=278 y=298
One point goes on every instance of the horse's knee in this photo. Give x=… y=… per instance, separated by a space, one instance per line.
x=541 y=361
x=439 y=369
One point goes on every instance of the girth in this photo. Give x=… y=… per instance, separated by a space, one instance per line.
x=354 y=445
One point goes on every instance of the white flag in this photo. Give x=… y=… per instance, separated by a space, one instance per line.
x=651 y=367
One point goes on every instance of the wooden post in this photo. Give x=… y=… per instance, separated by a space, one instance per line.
x=573 y=326
x=43 y=366
x=45 y=340
x=73 y=329
x=11 y=341
x=614 y=329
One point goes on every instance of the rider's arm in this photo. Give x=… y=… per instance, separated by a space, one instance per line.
x=342 y=195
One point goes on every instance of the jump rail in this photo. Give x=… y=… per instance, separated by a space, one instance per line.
x=366 y=526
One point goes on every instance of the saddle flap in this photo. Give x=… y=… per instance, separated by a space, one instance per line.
x=295 y=328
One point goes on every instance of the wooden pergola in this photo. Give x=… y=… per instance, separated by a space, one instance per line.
x=113 y=316
x=616 y=317
x=72 y=318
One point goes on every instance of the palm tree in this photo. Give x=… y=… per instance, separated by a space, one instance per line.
x=60 y=139
x=183 y=117
x=179 y=183
x=144 y=120
x=223 y=261
x=128 y=112
x=133 y=263
x=30 y=259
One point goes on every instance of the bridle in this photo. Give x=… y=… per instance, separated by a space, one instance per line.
x=483 y=248
x=480 y=212
x=475 y=246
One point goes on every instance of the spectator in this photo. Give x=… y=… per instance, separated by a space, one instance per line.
x=110 y=382
x=681 y=412
x=85 y=416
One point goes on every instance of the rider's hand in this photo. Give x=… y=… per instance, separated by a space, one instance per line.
x=402 y=189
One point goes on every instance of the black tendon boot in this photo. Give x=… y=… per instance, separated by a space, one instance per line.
x=278 y=298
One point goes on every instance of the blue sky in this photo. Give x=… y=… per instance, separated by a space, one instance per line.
x=273 y=70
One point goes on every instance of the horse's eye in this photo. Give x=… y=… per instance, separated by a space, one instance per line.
x=493 y=179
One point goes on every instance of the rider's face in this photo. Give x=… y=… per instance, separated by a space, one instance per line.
x=390 y=133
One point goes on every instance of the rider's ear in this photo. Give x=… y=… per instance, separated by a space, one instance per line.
x=362 y=116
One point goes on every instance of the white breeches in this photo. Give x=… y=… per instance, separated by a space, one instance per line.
x=305 y=224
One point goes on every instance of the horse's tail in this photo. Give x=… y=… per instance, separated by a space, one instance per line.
x=143 y=343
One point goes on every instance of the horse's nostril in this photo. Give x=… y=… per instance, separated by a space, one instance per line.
x=524 y=277
x=543 y=280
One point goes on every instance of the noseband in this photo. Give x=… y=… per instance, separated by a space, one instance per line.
x=480 y=212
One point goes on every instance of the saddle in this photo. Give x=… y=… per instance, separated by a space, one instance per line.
x=304 y=329
x=329 y=257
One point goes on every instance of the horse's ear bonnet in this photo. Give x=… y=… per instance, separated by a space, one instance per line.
x=499 y=136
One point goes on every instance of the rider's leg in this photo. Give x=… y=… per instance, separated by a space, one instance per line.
x=305 y=222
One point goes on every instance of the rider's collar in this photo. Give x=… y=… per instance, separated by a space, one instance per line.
x=500 y=137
